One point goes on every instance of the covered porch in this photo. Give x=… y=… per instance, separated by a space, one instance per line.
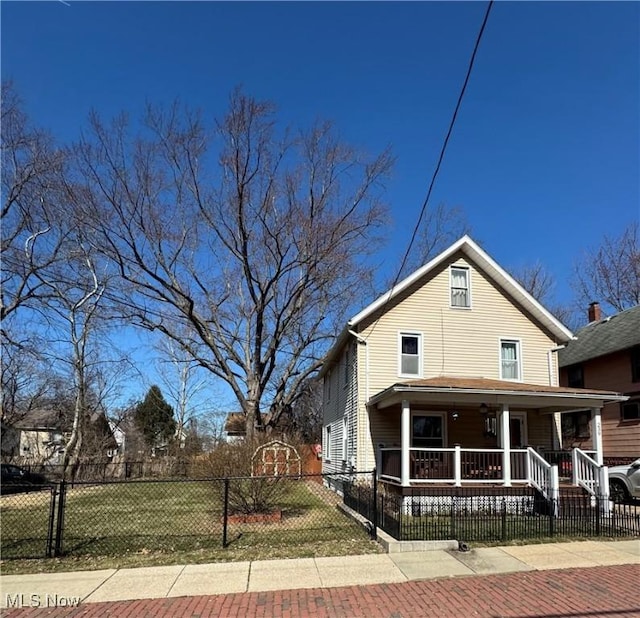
x=460 y=431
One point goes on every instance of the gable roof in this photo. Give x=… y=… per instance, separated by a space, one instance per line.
x=489 y=266
x=615 y=333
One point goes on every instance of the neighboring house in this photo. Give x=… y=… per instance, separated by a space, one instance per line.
x=451 y=378
x=42 y=436
x=606 y=355
x=234 y=427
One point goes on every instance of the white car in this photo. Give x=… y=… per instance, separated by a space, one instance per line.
x=624 y=481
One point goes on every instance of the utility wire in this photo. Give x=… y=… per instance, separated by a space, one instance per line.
x=440 y=158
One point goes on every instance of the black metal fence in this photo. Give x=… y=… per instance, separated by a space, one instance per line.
x=142 y=516
x=490 y=515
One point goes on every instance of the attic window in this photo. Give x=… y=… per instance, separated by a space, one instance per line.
x=410 y=354
x=460 y=290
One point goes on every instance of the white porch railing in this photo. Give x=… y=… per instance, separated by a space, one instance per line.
x=458 y=466
x=587 y=473
x=542 y=475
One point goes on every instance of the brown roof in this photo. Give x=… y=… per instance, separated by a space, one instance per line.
x=498 y=385
x=235 y=423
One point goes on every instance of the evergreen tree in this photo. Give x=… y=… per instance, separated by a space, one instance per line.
x=154 y=418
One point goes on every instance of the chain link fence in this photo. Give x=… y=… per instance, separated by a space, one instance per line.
x=142 y=516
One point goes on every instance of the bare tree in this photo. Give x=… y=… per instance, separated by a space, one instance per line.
x=185 y=387
x=76 y=290
x=610 y=273
x=441 y=226
x=255 y=251
x=32 y=233
x=540 y=283
x=536 y=279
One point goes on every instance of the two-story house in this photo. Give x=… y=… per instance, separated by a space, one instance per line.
x=451 y=378
x=605 y=354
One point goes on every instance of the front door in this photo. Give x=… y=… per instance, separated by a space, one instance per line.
x=518 y=429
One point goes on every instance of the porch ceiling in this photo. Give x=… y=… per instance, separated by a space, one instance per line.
x=474 y=391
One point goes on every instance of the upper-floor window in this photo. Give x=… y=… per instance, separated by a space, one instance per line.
x=630 y=410
x=510 y=361
x=575 y=376
x=460 y=288
x=410 y=354
x=635 y=364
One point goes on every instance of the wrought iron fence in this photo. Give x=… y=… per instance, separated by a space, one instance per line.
x=107 y=518
x=492 y=515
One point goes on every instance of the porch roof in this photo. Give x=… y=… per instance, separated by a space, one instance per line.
x=474 y=391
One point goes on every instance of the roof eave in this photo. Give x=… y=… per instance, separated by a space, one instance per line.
x=399 y=389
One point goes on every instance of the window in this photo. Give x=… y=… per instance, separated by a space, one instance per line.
x=345 y=436
x=635 y=364
x=410 y=354
x=346 y=368
x=575 y=376
x=510 y=360
x=427 y=431
x=460 y=292
x=575 y=425
x=327 y=442
x=630 y=410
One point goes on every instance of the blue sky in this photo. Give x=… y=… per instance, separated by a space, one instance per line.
x=545 y=156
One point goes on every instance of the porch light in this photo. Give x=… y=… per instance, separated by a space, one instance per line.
x=454 y=415
x=484 y=409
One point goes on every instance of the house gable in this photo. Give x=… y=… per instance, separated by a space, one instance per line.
x=467 y=248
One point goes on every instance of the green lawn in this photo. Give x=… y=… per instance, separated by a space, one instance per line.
x=169 y=521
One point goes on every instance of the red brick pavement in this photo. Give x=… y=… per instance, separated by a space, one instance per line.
x=598 y=592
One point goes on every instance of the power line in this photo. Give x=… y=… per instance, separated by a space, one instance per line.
x=440 y=158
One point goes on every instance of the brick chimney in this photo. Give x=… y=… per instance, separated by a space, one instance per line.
x=595 y=315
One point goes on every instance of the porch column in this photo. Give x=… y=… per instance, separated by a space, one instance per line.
x=505 y=432
x=596 y=432
x=405 y=441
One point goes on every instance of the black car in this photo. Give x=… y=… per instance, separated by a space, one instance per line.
x=16 y=479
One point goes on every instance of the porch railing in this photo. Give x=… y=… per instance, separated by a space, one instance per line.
x=454 y=465
x=587 y=473
x=389 y=464
x=542 y=475
x=564 y=461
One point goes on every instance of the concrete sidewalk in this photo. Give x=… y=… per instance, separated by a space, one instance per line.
x=63 y=589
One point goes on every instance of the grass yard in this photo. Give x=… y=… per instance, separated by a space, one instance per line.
x=165 y=522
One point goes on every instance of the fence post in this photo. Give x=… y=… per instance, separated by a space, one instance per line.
x=453 y=517
x=374 y=530
x=60 y=523
x=598 y=501
x=225 y=512
x=52 y=519
x=504 y=519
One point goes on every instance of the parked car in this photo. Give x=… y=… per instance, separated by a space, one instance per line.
x=624 y=482
x=15 y=479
